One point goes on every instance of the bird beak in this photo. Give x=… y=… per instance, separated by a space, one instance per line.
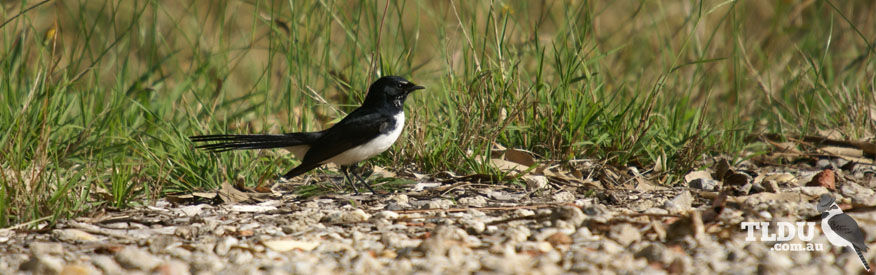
x=415 y=87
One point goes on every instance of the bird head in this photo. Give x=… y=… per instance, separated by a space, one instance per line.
x=827 y=204
x=390 y=89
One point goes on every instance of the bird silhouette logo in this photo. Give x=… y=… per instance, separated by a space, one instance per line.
x=841 y=229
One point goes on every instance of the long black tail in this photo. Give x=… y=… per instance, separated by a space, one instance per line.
x=863 y=259
x=222 y=143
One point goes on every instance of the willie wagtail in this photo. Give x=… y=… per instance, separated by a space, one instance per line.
x=841 y=229
x=367 y=131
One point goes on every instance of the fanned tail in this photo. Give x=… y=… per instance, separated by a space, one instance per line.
x=222 y=143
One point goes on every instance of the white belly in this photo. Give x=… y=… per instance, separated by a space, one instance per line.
x=371 y=148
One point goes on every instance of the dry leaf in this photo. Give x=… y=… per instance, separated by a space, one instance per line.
x=229 y=194
x=697 y=175
x=507 y=166
x=519 y=156
x=825 y=179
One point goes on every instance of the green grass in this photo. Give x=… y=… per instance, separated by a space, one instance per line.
x=100 y=96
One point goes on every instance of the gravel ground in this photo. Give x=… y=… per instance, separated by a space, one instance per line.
x=548 y=226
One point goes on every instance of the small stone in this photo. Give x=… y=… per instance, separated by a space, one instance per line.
x=654 y=252
x=625 y=234
x=570 y=214
x=742 y=190
x=224 y=245
x=438 y=204
x=858 y=194
x=825 y=179
x=179 y=252
x=173 y=267
x=107 y=264
x=610 y=247
x=45 y=248
x=771 y=186
x=354 y=216
x=43 y=264
x=283 y=245
x=386 y=215
x=757 y=188
x=517 y=233
x=535 y=182
x=558 y=239
x=186 y=232
x=656 y=211
x=704 y=184
x=474 y=201
x=679 y=204
x=474 y=226
x=72 y=235
x=136 y=258
x=443 y=239
x=563 y=196
x=776 y=263
x=78 y=270
x=191 y=210
x=823 y=164
x=398 y=198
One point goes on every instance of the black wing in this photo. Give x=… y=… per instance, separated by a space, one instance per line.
x=847 y=228
x=359 y=127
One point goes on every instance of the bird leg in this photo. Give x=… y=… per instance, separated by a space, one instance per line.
x=346 y=170
x=355 y=173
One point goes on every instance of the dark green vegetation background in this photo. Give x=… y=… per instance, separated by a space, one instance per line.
x=99 y=96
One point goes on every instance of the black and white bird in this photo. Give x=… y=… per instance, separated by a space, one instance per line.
x=841 y=229
x=367 y=131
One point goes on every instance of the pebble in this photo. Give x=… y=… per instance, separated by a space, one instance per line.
x=679 y=204
x=475 y=226
x=78 y=270
x=43 y=264
x=438 y=204
x=136 y=258
x=771 y=186
x=173 y=267
x=625 y=234
x=571 y=214
x=386 y=215
x=474 y=201
x=107 y=264
x=563 y=196
x=354 y=216
x=704 y=184
x=517 y=233
x=535 y=182
x=859 y=195
x=73 y=235
x=823 y=163
x=46 y=248
x=224 y=245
